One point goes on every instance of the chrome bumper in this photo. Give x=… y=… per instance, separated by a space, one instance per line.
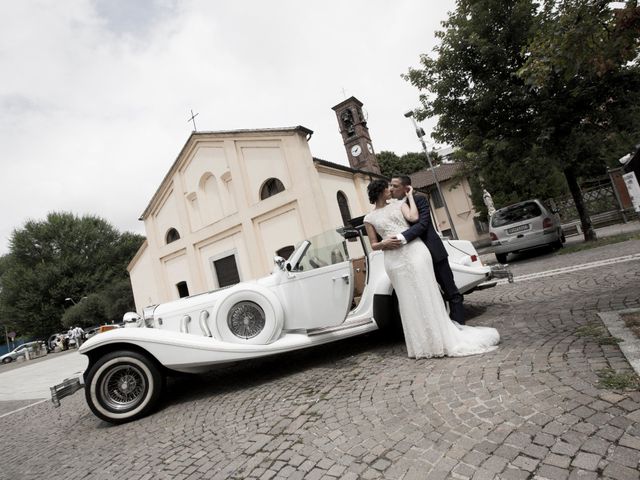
x=502 y=271
x=64 y=389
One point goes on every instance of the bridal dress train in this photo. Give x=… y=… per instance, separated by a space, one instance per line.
x=428 y=331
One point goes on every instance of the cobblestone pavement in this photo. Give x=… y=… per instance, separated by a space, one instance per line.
x=362 y=409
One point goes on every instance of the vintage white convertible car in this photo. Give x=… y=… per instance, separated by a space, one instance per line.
x=333 y=286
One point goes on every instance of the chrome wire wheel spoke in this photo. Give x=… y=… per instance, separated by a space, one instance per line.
x=123 y=387
x=246 y=319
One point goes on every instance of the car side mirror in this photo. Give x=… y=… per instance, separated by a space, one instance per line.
x=348 y=234
x=279 y=262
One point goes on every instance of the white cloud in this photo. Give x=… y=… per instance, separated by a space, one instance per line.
x=95 y=95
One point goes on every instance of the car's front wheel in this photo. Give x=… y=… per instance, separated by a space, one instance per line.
x=7 y=360
x=123 y=386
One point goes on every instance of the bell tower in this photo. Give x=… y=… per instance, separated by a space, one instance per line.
x=355 y=135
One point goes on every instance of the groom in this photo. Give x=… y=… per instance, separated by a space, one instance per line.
x=424 y=229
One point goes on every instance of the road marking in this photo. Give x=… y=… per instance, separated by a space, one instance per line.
x=23 y=408
x=573 y=268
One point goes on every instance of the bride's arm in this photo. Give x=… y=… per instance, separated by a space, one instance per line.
x=387 y=244
x=410 y=211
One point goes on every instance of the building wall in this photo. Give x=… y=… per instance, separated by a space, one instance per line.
x=212 y=197
x=140 y=273
x=336 y=181
x=458 y=198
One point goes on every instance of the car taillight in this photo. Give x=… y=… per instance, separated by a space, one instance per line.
x=493 y=236
x=474 y=258
x=547 y=223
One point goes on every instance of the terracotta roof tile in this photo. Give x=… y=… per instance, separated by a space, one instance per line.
x=424 y=178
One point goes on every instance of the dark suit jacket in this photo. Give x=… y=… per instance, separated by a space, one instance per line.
x=423 y=228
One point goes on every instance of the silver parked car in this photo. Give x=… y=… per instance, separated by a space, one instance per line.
x=523 y=226
x=20 y=351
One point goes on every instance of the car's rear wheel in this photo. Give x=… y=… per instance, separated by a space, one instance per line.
x=501 y=257
x=123 y=386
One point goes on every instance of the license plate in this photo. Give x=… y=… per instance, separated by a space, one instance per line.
x=519 y=228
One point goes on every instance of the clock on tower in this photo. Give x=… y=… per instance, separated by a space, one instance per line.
x=355 y=135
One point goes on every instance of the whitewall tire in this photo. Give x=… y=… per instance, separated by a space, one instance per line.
x=123 y=386
x=250 y=315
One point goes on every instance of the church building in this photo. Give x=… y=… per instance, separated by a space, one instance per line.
x=233 y=200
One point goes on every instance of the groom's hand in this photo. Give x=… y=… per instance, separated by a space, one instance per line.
x=391 y=243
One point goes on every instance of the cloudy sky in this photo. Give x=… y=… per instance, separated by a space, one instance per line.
x=95 y=94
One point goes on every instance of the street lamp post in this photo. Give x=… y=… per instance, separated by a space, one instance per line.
x=69 y=299
x=420 y=133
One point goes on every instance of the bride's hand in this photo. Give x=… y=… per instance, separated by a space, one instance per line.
x=409 y=190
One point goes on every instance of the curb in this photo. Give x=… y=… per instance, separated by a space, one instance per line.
x=630 y=345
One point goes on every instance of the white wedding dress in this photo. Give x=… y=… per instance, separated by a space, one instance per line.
x=428 y=331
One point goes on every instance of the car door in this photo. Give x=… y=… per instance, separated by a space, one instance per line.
x=318 y=291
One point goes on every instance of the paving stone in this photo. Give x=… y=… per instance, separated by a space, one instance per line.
x=586 y=461
x=513 y=474
x=630 y=442
x=464 y=470
x=625 y=456
x=564 y=448
x=611 y=397
x=494 y=464
x=544 y=439
x=482 y=474
x=360 y=409
x=559 y=461
x=507 y=452
x=596 y=445
x=526 y=463
x=552 y=473
x=619 y=472
x=475 y=458
x=577 y=474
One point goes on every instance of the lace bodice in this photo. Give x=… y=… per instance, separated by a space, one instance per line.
x=388 y=221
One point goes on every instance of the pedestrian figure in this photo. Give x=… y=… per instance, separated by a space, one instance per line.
x=79 y=333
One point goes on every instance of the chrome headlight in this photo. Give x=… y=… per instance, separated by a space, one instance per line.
x=147 y=316
x=246 y=319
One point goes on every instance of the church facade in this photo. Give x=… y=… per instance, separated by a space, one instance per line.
x=232 y=200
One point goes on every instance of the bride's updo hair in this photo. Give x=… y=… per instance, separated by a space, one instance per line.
x=375 y=188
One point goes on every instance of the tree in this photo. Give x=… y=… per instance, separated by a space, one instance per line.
x=63 y=256
x=483 y=107
x=495 y=87
x=583 y=70
x=90 y=311
x=391 y=164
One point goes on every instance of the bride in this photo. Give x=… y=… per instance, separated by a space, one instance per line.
x=428 y=331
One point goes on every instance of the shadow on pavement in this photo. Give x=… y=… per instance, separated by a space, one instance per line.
x=252 y=373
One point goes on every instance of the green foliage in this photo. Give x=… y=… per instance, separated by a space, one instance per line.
x=582 y=69
x=533 y=92
x=89 y=311
x=610 y=379
x=64 y=256
x=598 y=334
x=391 y=164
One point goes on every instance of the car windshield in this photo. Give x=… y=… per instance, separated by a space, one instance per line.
x=515 y=213
x=326 y=249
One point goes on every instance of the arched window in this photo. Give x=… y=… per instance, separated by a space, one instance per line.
x=271 y=187
x=343 y=204
x=172 y=235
